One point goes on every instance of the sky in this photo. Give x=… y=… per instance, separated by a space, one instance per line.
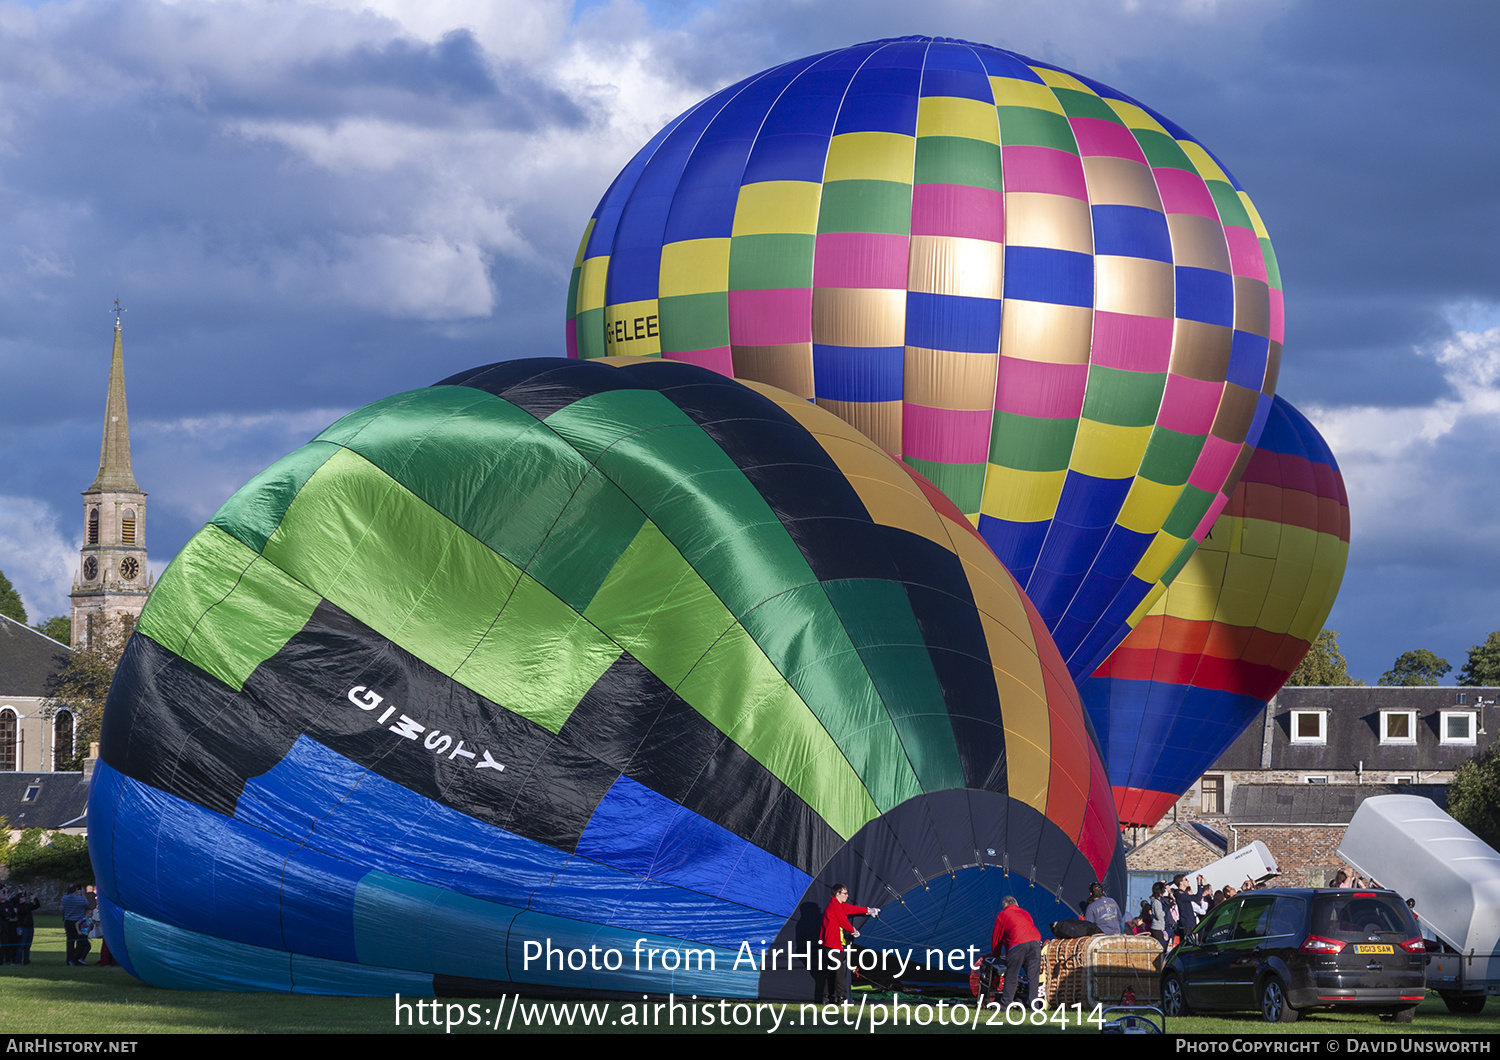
x=309 y=206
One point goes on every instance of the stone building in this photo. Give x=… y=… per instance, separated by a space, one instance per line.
x=113 y=579
x=111 y=583
x=1294 y=778
x=32 y=738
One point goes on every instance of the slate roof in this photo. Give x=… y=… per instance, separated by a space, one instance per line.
x=1353 y=730
x=27 y=659
x=1289 y=804
x=60 y=799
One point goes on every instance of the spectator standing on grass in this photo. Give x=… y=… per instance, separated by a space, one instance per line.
x=1182 y=895
x=10 y=919
x=1160 y=926
x=1169 y=905
x=75 y=908
x=26 y=905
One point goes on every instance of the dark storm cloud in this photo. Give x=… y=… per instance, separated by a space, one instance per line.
x=166 y=155
x=139 y=179
x=1365 y=134
x=450 y=82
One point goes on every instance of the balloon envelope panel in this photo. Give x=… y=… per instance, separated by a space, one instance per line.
x=581 y=655
x=1044 y=295
x=1224 y=637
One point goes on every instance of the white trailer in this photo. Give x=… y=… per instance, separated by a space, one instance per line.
x=1412 y=847
x=1253 y=861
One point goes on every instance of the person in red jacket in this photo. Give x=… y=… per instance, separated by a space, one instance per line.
x=833 y=970
x=1017 y=940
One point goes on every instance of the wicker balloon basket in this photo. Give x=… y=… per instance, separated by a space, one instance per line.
x=1098 y=969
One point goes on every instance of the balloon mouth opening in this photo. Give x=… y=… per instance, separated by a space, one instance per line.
x=938 y=866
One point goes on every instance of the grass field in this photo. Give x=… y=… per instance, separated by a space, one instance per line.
x=49 y=997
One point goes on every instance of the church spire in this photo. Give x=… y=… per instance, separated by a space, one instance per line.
x=114 y=451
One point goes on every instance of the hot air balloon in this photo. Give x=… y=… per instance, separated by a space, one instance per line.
x=1056 y=304
x=554 y=656
x=1223 y=638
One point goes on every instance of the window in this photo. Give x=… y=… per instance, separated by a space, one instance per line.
x=1219 y=927
x=127 y=527
x=1403 y=780
x=1398 y=726
x=1213 y=794
x=7 y=740
x=1461 y=698
x=1309 y=726
x=62 y=739
x=93 y=526
x=1316 y=780
x=1456 y=726
x=1287 y=917
x=32 y=791
x=1251 y=923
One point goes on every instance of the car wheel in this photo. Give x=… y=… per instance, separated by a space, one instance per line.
x=1174 y=997
x=1464 y=1005
x=1273 y=1003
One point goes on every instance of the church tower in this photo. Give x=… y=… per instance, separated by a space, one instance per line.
x=112 y=579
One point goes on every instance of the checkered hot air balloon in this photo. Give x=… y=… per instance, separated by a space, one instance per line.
x=1056 y=304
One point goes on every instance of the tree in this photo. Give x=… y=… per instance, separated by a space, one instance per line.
x=1323 y=664
x=58 y=627
x=1474 y=795
x=1483 y=667
x=1416 y=667
x=38 y=855
x=10 y=601
x=83 y=685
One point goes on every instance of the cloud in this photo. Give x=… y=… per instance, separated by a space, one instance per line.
x=1375 y=437
x=1424 y=559
x=198 y=462
x=36 y=557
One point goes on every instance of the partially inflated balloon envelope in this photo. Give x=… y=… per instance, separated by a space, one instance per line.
x=573 y=655
x=1231 y=628
x=1045 y=296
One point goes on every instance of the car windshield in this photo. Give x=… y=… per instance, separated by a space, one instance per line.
x=1356 y=916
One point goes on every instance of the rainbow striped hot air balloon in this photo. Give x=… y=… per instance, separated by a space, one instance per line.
x=586 y=657
x=1056 y=304
x=1223 y=638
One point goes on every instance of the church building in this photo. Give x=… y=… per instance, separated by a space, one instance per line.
x=111 y=584
x=112 y=579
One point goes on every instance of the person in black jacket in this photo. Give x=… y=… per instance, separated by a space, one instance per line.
x=10 y=920
x=1187 y=916
x=25 y=905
